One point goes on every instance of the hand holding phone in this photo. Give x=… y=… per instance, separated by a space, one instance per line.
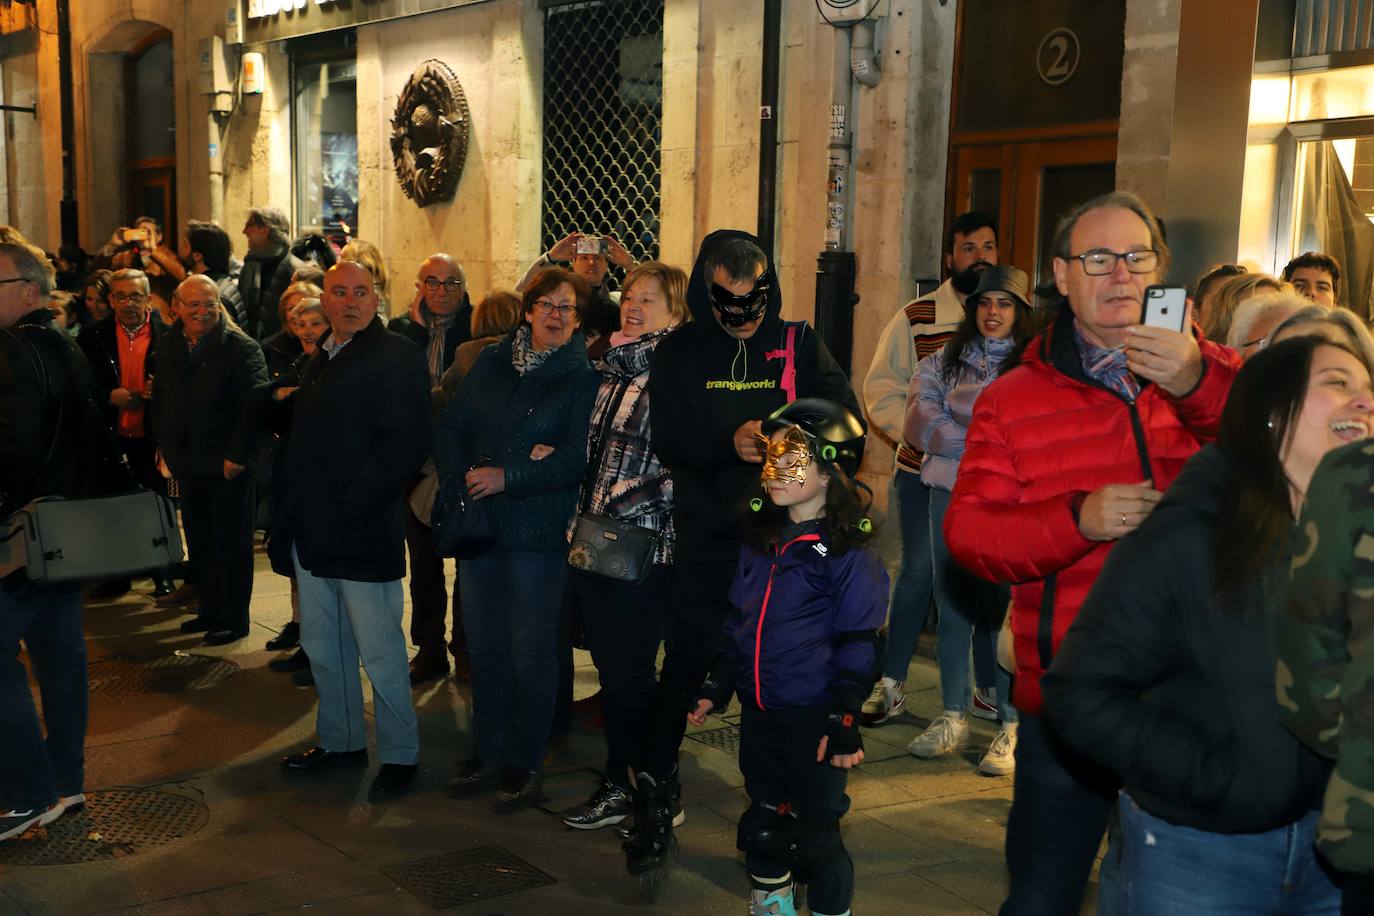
x=1166 y=307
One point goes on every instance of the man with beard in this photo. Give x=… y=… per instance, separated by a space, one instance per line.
x=205 y=249
x=913 y=333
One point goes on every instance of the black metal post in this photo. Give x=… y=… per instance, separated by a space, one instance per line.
x=768 y=123
x=70 y=247
x=835 y=301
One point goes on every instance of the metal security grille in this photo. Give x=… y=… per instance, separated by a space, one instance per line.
x=603 y=106
x=1331 y=26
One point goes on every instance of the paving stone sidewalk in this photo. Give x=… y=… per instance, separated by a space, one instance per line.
x=191 y=813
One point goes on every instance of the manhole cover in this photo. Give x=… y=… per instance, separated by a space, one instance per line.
x=722 y=739
x=466 y=877
x=115 y=823
x=122 y=677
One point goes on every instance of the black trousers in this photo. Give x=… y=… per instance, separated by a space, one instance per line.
x=1357 y=894
x=218 y=516
x=789 y=791
x=697 y=605
x=1060 y=807
x=624 y=624
x=429 y=592
x=142 y=454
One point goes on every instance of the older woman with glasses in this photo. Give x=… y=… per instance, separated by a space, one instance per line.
x=516 y=434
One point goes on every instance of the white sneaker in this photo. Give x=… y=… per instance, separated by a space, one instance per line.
x=885 y=702
x=69 y=803
x=985 y=703
x=943 y=736
x=1000 y=757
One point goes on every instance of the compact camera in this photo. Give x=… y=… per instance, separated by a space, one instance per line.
x=133 y=235
x=591 y=244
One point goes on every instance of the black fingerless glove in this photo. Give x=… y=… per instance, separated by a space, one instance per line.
x=842 y=727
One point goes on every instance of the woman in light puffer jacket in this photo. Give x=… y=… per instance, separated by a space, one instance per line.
x=997 y=322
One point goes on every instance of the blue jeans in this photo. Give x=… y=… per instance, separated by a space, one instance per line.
x=343 y=621
x=1060 y=806
x=911 y=596
x=971 y=610
x=511 y=603
x=33 y=773
x=1166 y=869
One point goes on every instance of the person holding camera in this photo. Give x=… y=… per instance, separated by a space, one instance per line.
x=516 y=434
x=140 y=247
x=590 y=257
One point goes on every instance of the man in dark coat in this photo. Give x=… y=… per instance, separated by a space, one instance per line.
x=205 y=371
x=439 y=322
x=360 y=431
x=46 y=448
x=267 y=270
x=712 y=383
x=121 y=348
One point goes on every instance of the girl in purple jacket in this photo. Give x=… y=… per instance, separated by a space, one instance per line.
x=800 y=647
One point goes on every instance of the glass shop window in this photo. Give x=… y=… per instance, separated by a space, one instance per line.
x=324 y=119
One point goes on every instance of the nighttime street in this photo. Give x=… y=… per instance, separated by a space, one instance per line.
x=194 y=815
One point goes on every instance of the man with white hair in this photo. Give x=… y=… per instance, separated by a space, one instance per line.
x=204 y=371
x=1257 y=317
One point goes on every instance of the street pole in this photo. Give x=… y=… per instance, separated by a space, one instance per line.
x=836 y=266
x=70 y=247
x=768 y=124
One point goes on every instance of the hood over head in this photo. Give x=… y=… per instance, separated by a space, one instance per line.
x=699 y=285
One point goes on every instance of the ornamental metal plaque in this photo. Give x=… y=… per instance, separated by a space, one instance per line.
x=429 y=134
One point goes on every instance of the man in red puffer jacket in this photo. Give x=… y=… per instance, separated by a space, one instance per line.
x=1066 y=454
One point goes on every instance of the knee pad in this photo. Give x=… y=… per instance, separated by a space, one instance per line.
x=767 y=834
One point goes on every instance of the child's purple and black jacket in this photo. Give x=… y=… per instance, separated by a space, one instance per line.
x=803 y=626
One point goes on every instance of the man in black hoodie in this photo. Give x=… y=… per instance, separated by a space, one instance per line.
x=712 y=383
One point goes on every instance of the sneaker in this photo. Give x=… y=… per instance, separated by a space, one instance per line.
x=885 y=702
x=608 y=805
x=15 y=823
x=1000 y=757
x=781 y=902
x=985 y=703
x=517 y=789
x=943 y=736
x=70 y=803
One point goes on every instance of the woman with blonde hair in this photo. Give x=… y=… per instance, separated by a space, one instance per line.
x=1231 y=294
x=626 y=481
x=283 y=348
x=370 y=257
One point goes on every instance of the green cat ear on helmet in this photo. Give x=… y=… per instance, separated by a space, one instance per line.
x=755 y=504
x=865 y=525
x=828 y=452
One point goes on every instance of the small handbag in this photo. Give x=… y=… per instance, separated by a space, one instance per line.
x=604 y=547
x=462 y=526
x=610 y=549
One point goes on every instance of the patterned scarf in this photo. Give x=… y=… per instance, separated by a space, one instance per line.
x=523 y=356
x=438 y=326
x=1107 y=366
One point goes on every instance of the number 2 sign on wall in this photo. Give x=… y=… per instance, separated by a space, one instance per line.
x=1057 y=58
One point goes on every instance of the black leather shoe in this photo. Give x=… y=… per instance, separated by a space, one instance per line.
x=288 y=638
x=185 y=594
x=474 y=776
x=517 y=789
x=162 y=587
x=393 y=780
x=112 y=589
x=224 y=637
x=195 y=625
x=427 y=666
x=296 y=661
x=303 y=677
x=317 y=759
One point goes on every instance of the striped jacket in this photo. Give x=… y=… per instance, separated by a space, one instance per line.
x=625 y=480
x=914 y=332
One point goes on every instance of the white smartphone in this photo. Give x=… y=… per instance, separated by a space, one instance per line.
x=1165 y=307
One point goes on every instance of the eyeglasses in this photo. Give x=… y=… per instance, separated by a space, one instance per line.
x=452 y=284
x=545 y=307
x=1258 y=342
x=1099 y=262
x=128 y=297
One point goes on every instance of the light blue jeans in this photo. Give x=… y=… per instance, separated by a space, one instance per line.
x=1168 y=869
x=343 y=621
x=971 y=611
x=911 y=597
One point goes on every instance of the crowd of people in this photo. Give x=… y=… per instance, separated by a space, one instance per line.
x=1105 y=516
